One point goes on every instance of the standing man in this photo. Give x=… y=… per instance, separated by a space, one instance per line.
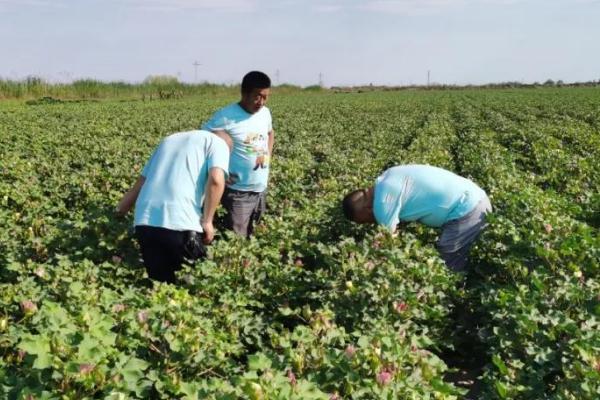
x=248 y=126
x=431 y=195
x=175 y=200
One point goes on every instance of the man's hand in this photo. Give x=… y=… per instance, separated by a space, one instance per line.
x=213 y=191
x=209 y=232
x=233 y=178
x=130 y=197
x=118 y=212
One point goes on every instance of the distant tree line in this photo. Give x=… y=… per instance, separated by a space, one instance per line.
x=153 y=87
x=160 y=87
x=439 y=86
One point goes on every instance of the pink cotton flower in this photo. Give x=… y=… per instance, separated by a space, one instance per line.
x=142 y=316
x=28 y=307
x=350 y=351
x=292 y=377
x=402 y=335
x=384 y=377
x=85 y=369
x=118 y=308
x=400 y=306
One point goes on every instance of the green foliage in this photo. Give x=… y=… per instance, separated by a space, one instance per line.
x=314 y=88
x=153 y=88
x=164 y=80
x=312 y=307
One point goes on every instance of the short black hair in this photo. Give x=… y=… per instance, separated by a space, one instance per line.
x=349 y=203
x=255 y=80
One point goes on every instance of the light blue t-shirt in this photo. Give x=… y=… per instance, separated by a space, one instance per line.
x=250 y=135
x=423 y=193
x=176 y=174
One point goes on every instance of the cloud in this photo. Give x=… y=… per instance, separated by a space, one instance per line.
x=327 y=8
x=32 y=3
x=424 y=7
x=410 y=7
x=214 y=5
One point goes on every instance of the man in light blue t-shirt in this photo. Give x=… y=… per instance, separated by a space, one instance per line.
x=247 y=127
x=430 y=195
x=175 y=200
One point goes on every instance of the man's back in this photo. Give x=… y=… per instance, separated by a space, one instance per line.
x=175 y=177
x=423 y=193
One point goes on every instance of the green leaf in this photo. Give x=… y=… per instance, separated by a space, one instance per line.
x=302 y=334
x=189 y=390
x=501 y=389
x=500 y=364
x=132 y=371
x=286 y=311
x=386 y=341
x=90 y=349
x=76 y=288
x=40 y=347
x=258 y=361
x=175 y=343
x=363 y=342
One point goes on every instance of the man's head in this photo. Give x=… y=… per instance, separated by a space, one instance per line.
x=256 y=88
x=358 y=206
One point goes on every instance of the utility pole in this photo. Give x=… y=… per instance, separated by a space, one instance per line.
x=320 y=79
x=428 y=73
x=277 y=77
x=196 y=64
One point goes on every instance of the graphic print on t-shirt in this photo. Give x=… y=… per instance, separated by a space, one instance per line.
x=254 y=144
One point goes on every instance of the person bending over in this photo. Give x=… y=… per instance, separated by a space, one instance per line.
x=430 y=195
x=175 y=200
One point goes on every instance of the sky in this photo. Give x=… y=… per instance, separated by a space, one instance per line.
x=337 y=42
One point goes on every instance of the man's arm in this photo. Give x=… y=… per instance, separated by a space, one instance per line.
x=215 y=185
x=271 y=142
x=130 y=197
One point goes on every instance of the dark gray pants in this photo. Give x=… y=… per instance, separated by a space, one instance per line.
x=459 y=235
x=244 y=209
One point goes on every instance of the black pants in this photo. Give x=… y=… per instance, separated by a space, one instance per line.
x=165 y=250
